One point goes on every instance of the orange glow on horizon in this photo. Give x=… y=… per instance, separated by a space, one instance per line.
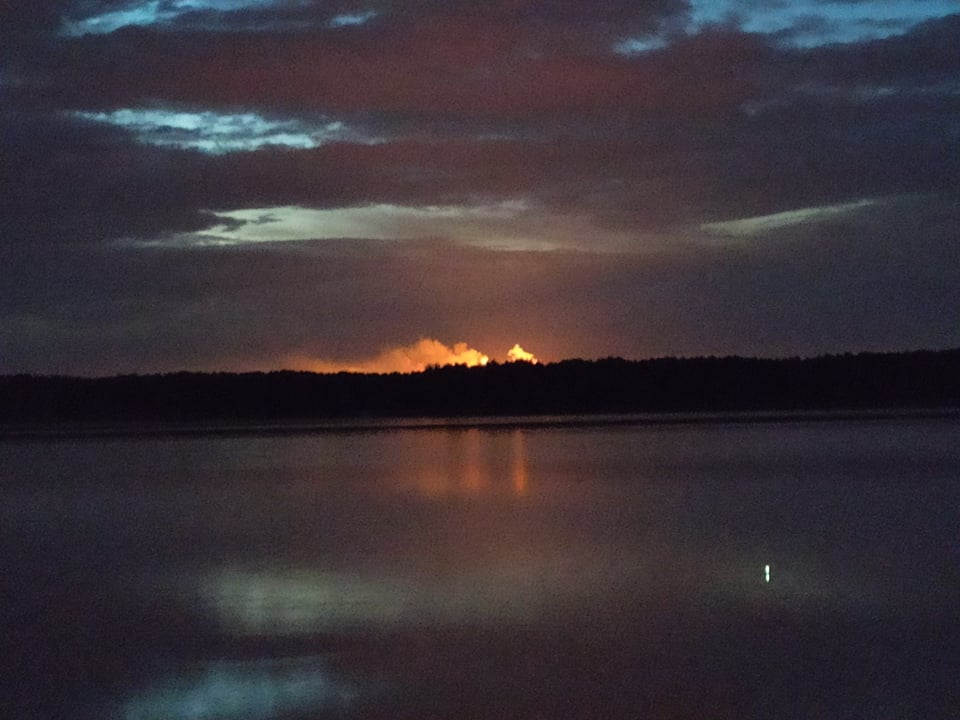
x=416 y=357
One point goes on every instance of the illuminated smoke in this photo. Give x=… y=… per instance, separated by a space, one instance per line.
x=518 y=353
x=417 y=357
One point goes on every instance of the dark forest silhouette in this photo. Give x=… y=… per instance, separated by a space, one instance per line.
x=867 y=381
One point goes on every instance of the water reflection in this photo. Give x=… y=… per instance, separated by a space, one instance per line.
x=620 y=572
x=301 y=601
x=246 y=690
x=474 y=477
x=520 y=481
x=521 y=589
x=468 y=462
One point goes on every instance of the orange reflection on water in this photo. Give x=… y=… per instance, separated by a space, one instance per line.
x=520 y=481
x=432 y=483
x=472 y=462
x=474 y=478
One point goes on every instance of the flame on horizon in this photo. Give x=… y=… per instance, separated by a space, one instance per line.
x=415 y=357
x=517 y=353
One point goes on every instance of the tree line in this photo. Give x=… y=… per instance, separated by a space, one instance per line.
x=865 y=381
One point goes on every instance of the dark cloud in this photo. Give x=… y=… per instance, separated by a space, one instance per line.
x=446 y=66
x=584 y=24
x=21 y=22
x=69 y=182
x=925 y=55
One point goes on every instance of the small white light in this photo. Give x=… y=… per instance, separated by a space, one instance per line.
x=766 y=573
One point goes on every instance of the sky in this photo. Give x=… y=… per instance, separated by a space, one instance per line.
x=377 y=185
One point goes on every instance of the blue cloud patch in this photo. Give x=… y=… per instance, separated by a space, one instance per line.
x=219 y=133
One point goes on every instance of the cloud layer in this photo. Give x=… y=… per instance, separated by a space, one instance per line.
x=669 y=177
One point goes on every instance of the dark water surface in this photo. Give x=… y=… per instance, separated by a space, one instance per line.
x=496 y=572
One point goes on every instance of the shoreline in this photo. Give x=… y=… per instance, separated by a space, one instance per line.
x=225 y=429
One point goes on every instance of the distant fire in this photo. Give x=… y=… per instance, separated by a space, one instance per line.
x=518 y=353
x=416 y=357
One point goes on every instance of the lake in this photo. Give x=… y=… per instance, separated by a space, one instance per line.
x=521 y=570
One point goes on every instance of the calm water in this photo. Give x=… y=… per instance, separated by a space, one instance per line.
x=498 y=572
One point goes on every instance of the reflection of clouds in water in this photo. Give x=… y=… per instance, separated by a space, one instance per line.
x=279 y=602
x=529 y=587
x=304 y=602
x=286 y=602
x=248 y=690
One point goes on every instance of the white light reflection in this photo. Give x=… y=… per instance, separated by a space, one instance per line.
x=278 y=602
x=300 y=602
x=248 y=690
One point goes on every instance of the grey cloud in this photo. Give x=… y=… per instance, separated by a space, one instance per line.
x=887 y=283
x=926 y=54
x=69 y=182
